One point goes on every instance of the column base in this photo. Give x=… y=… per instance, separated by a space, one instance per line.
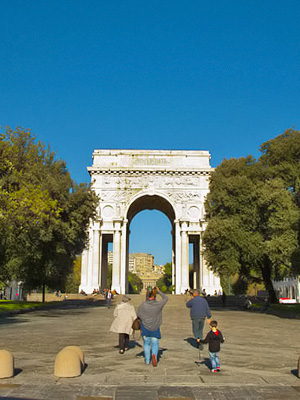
x=118 y=289
x=87 y=288
x=183 y=289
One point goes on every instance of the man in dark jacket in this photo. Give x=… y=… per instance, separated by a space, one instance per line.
x=199 y=311
x=150 y=313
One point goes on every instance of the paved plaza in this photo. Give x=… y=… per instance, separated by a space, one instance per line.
x=258 y=359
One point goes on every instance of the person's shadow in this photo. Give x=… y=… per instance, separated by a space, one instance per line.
x=205 y=361
x=132 y=344
x=160 y=353
x=192 y=341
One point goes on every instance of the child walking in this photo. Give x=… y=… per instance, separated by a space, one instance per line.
x=214 y=338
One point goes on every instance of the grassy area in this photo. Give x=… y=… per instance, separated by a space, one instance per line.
x=288 y=308
x=7 y=305
x=282 y=308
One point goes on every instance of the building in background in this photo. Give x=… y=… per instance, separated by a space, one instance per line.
x=142 y=264
x=288 y=290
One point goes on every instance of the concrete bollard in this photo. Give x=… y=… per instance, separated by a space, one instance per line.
x=67 y=364
x=79 y=352
x=6 y=364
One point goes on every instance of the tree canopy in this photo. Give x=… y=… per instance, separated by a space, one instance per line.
x=44 y=214
x=253 y=214
x=165 y=282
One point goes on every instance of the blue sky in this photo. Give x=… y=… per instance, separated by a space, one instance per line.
x=212 y=75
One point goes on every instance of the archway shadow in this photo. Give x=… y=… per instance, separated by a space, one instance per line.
x=192 y=341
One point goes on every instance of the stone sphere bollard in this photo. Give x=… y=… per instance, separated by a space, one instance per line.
x=6 y=364
x=79 y=352
x=67 y=364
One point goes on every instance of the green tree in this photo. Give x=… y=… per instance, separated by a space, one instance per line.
x=251 y=223
x=135 y=283
x=74 y=278
x=281 y=158
x=165 y=282
x=43 y=214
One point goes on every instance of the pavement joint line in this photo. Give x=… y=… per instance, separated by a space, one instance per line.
x=94 y=398
x=176 y=398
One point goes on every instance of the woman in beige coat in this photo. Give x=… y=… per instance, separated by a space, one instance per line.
x=124 y=315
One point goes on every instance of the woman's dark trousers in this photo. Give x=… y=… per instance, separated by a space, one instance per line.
x=123 y=341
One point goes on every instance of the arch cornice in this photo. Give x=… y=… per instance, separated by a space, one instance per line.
x=140 y=172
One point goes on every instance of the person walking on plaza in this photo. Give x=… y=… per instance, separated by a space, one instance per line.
x=199 y=311
x=150 y=313
x=214 y=338
x=124 y=315
x=108 y=298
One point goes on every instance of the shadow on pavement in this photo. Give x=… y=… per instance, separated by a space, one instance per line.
x=192 y=341
x=205 y=361
x=16 y=398
x=5 y=320
x=17 y=371
x=294 y=372
x=160 y=353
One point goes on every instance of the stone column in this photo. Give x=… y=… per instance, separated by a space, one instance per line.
x=177 y=258
x=116 y=270
x=196 y=250
x=201 y=269
x=124 y=266
x=184 y=258
x=84 y=270
x=104 y=261
x=173 y=260
x=96 y=260
x=90 y=262
x=100 y=259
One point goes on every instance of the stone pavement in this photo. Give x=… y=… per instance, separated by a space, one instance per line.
x=258 y=359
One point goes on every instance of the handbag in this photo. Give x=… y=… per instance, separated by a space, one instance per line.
x=136 y=325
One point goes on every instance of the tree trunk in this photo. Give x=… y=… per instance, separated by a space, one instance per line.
x=43 y=293
x=266 y=274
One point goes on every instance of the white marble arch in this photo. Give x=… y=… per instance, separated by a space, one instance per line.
x=130 y=181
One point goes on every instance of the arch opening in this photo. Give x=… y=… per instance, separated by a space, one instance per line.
x=150 y=202
x=150 y=249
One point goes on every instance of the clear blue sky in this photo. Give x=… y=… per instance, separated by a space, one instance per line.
x=212 y=75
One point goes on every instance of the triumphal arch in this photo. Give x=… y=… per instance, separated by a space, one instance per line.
x=130 y=181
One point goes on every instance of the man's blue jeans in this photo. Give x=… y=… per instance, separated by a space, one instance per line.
x=198 y=325
x=150 y=342
x=214 y=359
